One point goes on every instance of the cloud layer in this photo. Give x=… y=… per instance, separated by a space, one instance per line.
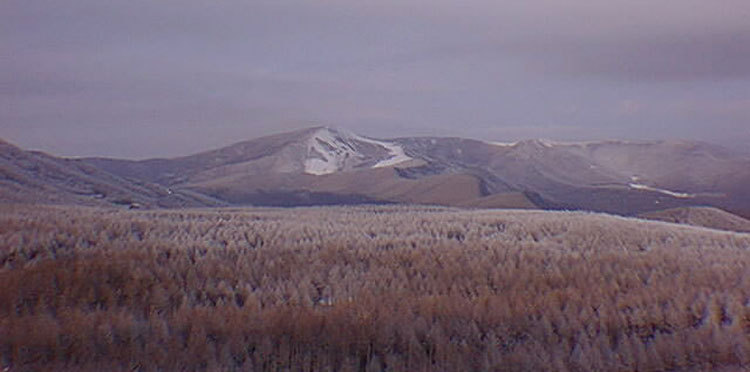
x=158 y=78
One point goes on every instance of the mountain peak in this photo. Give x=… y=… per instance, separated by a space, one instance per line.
x=332 y=150
x=290 y=169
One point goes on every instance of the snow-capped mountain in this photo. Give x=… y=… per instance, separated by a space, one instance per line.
x=333 y=166
x=330 y=151
x=316 y=151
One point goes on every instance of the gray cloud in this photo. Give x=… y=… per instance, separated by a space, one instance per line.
x=697 y=57
x=142 y=78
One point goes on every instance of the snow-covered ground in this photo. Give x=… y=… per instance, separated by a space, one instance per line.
x=329 y=151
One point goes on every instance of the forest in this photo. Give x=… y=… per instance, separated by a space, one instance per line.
x=367 y=288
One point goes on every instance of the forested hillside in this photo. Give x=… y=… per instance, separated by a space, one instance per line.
x=367 y=289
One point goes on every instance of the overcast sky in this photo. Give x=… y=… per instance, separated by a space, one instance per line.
x=144 y=78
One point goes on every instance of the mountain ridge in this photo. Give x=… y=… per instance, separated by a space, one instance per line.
x=324 y=165
x=36 y=177
x=708 y=217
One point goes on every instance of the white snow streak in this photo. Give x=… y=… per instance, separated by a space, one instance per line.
x=680 y=195
x=326 y=154
x=552 y=143
x=329 y=151
x=501 y=144
x=396 y=153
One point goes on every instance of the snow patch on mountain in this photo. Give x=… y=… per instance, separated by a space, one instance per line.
x=330 y=151
x=674 y=194
x=501 y=144
x=396 y=154
x=540 y=142
x=327 y=153
x=554 y=143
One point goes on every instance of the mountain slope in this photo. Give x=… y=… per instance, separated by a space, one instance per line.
x=418 y=288
x=609 y=176
x=35 y=177
x=329 y=166
x=315 y=166
x=713 y=218
x=315 y=151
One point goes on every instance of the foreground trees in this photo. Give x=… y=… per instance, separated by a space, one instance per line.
x=367 y=289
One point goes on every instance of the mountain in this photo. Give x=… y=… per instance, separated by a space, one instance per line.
x=331 y=166
x=35 y=177
x=713 y=218
x=309 y=167
x=322 y=165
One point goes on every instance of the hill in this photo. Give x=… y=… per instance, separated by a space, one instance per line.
x=35 y=177
x=325 y=166
x=388 y=288
x=316 y=166
x=331 y=166
x=701 y=216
